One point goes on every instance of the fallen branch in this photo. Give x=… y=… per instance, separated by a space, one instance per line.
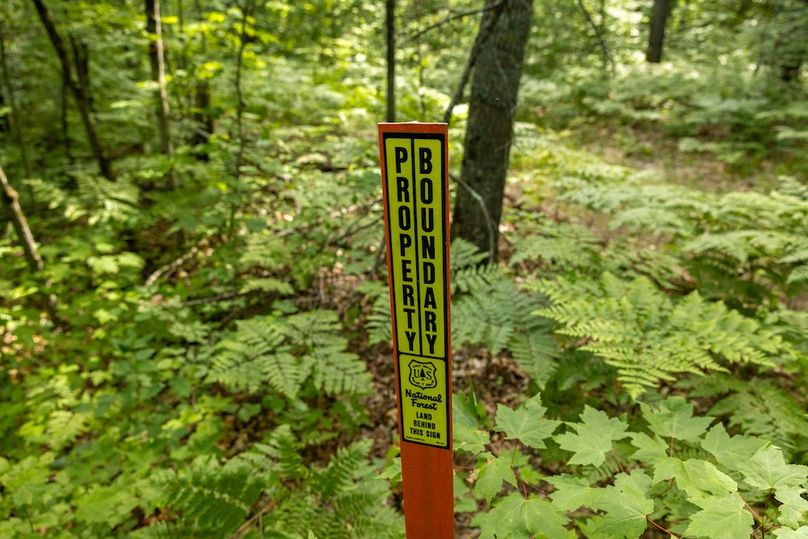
x=173 y=266
x=12 y=202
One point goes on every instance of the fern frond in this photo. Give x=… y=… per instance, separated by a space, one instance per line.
x=644 y=334
x=212 y=499
x=283 y=353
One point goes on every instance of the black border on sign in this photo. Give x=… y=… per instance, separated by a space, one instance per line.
x=446 y=298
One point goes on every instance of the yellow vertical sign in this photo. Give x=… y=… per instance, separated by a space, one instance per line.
x=415 y=198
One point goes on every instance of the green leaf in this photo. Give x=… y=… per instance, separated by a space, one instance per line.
x=696 y=477
x=627 y=507
x=785 y=533
x=730 y=452
x=571 y=492
x=593 y=437
x=104 y=504
x=720 y=518
x=514 y=516
x=649 y=450
x=491 y=476
x=767 y=470
x=526 y=423
x=674 y=419
x=468 y=436
x=794 y=505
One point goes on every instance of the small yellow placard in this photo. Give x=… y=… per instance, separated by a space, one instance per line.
x=415 y=192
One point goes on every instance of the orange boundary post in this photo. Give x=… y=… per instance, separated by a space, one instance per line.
x=427 y=471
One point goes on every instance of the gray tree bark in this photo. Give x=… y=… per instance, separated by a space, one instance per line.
x=492 y=109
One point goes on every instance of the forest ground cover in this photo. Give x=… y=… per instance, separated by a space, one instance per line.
x=219 y=360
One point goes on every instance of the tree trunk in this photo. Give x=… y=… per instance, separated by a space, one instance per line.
x=246 y=12
x=15 y=111
x=492 y=109
x=488 y=22
x=81 y=91
x=791 y=46
x=656 y=35
x=390 y=26
x=203 y=120
x=63 y=109
x=158 y=73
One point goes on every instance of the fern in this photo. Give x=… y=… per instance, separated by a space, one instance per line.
x=565 y=246
x=254 y=355
x=757 y=407
x=211 y=499
x=333 y=369
x=648 y=337
x=344 y=499
x=744 y=247
x=378 y=323
x=285 y=353
x=468 y=271
x=498 y=317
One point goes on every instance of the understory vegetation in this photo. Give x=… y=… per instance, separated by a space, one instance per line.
x=205 y=347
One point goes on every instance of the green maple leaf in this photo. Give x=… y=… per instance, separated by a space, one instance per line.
x=786 y=533
x=720 y=518
x=626 y=505
x=794 y=505
x=571 y=492
x=649 y=450
x=592 y=438
x=730 y=452
x=492 y=474
x=514 y=516
x=767 y=469
x=695 y=477
x=526 y=423
x=467 y=433
x=674 y=419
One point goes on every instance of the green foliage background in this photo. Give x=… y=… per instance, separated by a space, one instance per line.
x=635 y=366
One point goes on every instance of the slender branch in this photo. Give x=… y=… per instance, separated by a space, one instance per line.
x=390 y=28
x=244 y=528
x=224 y=296
x=607 y=56
x=449 y=18
x=487 y=24
x=664 y=529
x=172 y=266
x=489 y=222
x=11 y=200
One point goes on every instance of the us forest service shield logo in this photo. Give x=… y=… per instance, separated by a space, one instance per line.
x=422 y=374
